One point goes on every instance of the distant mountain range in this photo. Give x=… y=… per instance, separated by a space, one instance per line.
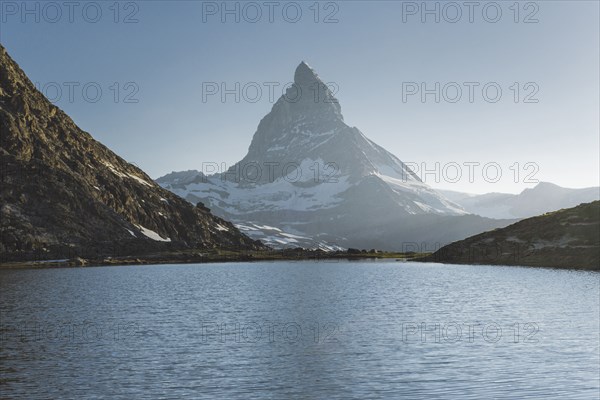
x=542 y=198
x=65 y=195
x=309 y=179
x=568 y=238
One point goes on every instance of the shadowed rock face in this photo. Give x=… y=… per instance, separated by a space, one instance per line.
x=568 y=238
x=64 y=194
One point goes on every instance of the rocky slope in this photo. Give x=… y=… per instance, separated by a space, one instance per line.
x=64 y=195
x=568 y=238
x=542 y=198
x=307 y=174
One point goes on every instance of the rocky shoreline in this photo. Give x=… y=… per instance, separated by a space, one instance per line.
x=203 y=256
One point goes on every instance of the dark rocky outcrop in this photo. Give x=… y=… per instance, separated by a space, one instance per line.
x=65 y=195
x=568 y=238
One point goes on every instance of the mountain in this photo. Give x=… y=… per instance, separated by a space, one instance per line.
x=308 y=174
x=568 y=238
x=542 y=198
x=66 y=195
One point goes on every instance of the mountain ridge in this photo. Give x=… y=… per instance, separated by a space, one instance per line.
x=542 y=198
x=567 y=238
x=64 y=194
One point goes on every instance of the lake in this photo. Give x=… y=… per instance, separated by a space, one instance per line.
x=291 y=330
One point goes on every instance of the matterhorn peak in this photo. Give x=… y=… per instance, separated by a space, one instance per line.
x=307 y=174
x=305 y=75
x=309 y=96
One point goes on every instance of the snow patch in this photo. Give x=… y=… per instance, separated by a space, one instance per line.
x=221 y=228
x=278 y=238
x=121 y=174
x=151 y=234
x=62 y=260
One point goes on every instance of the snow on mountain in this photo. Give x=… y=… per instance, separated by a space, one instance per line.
x=308 y=173
x=277 y=238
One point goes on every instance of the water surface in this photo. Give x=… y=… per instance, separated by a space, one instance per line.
x=328 y=330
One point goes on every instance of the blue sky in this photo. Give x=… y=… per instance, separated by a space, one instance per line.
x=171 y=48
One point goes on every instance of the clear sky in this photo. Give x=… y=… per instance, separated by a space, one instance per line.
x=169 y=50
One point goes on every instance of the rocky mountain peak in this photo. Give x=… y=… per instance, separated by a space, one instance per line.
x=306 y=110
x=309 y=177
x=310 y=92
x=305 y=75
x=306 y=126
